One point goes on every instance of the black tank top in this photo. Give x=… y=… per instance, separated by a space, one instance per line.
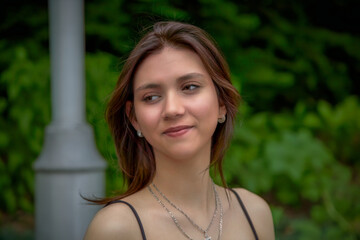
x=142 y=228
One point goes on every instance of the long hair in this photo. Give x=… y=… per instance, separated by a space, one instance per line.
x=135 y=155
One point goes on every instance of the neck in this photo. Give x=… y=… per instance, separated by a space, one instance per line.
x=186 y=182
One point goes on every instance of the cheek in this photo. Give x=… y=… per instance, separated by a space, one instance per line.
x=147 y=118
x=206 y=107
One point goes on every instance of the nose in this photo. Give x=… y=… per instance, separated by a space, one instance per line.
x=173 y=106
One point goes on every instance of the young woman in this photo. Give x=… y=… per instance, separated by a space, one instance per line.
x=171 y=116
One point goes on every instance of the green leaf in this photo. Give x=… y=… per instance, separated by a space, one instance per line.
x=10 y=200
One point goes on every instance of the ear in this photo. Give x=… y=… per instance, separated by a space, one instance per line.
x=222 y=110
x=222 y=107
x=130 y=113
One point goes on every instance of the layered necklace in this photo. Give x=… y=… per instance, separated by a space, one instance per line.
x=203 y=231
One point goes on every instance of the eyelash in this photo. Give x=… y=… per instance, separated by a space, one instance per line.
x=188 y=88
x=148 y=98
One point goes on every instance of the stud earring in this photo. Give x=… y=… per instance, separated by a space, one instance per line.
x=222 y=119
x=139 y=133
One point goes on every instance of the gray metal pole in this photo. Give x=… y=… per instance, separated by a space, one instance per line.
x=69 y=164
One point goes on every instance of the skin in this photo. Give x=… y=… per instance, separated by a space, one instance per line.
x=177 y=109
x=172 y=89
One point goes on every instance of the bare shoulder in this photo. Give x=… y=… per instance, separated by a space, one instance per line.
x=259 y=212
x=115 y=221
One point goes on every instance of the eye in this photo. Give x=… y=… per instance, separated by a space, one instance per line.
x=151 y=98
x=190 y=87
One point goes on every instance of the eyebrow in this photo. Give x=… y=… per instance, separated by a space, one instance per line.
x=179 y=79
x=190 y=76
x=148 y=86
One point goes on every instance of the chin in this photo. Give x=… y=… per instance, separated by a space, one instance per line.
x=184 y=153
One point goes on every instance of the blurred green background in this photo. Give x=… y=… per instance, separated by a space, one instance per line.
x=295 y=63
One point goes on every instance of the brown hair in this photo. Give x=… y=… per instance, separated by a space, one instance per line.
x=136 y=158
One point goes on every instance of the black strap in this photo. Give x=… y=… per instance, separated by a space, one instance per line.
x=135 y=213
x=246 y=213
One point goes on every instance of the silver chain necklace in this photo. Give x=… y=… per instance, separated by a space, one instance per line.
x=205 y=232
x=217 y=200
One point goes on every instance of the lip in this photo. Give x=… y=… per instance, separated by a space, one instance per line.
x=177 y=131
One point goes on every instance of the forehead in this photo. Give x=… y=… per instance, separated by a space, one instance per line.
x=167 y=64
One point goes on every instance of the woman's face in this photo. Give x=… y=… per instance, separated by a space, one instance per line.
x=176 y=105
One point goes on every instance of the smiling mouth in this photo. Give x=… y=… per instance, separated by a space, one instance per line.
x=177 y=131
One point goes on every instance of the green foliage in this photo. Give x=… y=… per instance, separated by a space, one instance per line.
x=297 y=139
x=283 y=154
x=101 y=71
x=22 y=125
